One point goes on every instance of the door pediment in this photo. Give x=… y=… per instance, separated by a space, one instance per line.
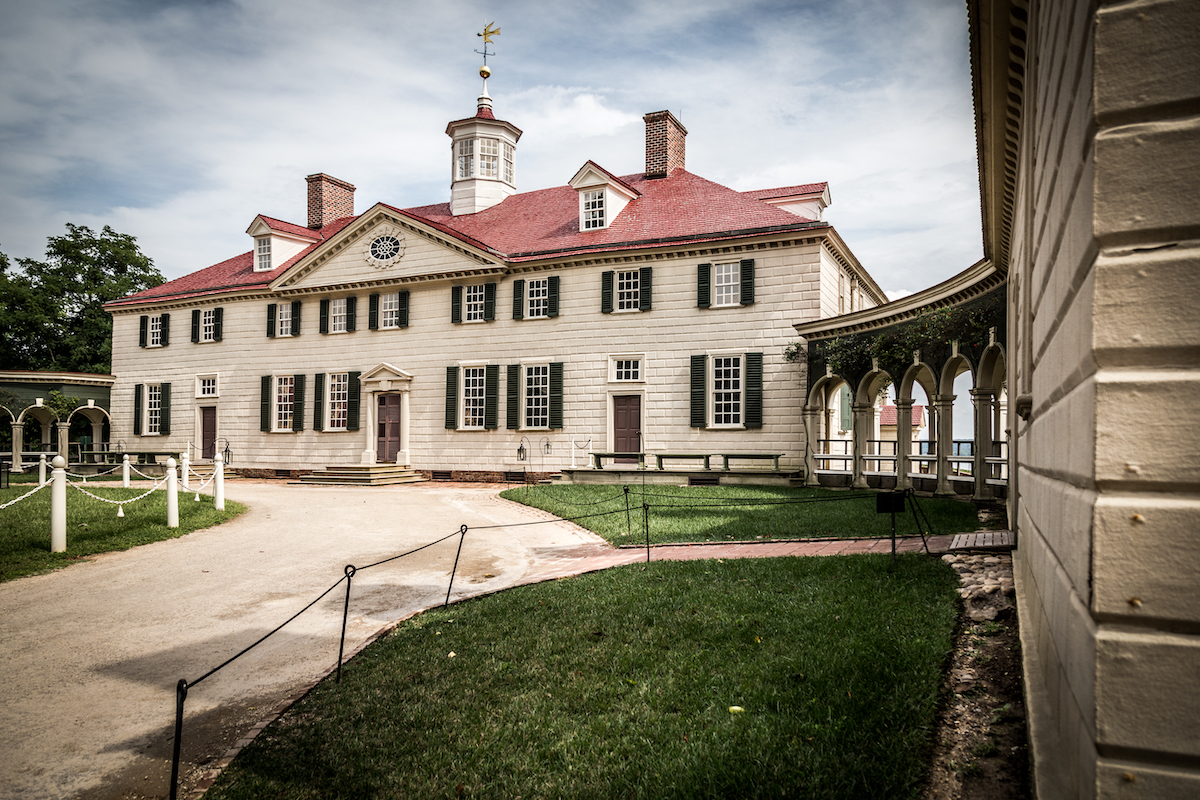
x=385 y=378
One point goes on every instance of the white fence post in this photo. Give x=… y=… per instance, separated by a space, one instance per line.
x=218 y=482
x=58 y=505
x=184 y=468
x=172 y=495
x=125 y=471
x=42 y=469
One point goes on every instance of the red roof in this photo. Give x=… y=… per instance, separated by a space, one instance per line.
x=887 y=415
x=680 y=209
x=288 y=227
x=787 y=191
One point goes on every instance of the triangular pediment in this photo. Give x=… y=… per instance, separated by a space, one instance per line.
x=383 y=247
x=384 y=377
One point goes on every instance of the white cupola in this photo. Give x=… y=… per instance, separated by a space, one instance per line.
x=483 y=153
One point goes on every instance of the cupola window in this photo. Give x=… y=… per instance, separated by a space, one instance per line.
x=466 y=158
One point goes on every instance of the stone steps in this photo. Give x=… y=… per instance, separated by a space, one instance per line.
x=363 y=475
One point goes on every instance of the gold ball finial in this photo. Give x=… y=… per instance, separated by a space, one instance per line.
x=485 y=71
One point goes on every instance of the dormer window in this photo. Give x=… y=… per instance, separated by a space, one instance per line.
x=262 y=253
x=593 y=209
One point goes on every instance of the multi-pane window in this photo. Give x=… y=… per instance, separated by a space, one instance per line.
x=389 y=307
x=628 y=369
x=537 y=396
x=208 y=325
x=466 y=158
x=285 y=388
x=337 y=315
x=473 y=302
x=474 y=397
x=262 y=253
x=153 y=408
x=339 y=401
x=628 y=294
x=208 y=386
x=155 y=337
x=727 y=284
x=593 y=209
x=283 y=320
x=508 y=163
x=489 y=158
x=727 y=390
x=538 y=293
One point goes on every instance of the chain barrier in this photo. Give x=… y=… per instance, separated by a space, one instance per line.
x=139 y=472
x=28 y=494
x=120 y=504
x=94 y=474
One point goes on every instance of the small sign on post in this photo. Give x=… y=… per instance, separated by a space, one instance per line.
x=891 y=503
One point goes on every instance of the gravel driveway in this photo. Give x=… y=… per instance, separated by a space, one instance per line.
x=91 y=654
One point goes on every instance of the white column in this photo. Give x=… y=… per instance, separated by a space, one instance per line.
x=18 y=444
x=945 y=442
x=981 y=399
x=218 y=481
x=403 y=458
x=903 y=442
x=860 y=431
x=41 y=469
x=812 y=436
x=58 y=506
x=185 y=466
x=64 y=439
x=368 y=453
x=125 y=470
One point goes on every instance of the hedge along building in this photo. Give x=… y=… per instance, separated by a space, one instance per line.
x=640 y=313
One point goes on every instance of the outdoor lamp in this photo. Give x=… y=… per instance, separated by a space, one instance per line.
x=522 y=452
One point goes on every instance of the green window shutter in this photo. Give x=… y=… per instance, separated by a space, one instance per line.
x=403 y=309
x=164 y=409
x=456 y=304
x=138 y=389
x=552 y=296
x=166 y=329
x=196 y=325
x=218 y=323
x=512 y=407
x=489 y=301
x=297 y=402
x=747 y=281
x=351 y=314
x=699 y=391
x=324 y=324
x=264 y=405
x=753 y=417
x=703 y=285
x=319 y=401
x=844 y=405
x=373 y=311
x=606 y=292
x=518 y=300
x=451 y=398
x=271 y=320
x=295 y=318
x=556 y=395
x=143 y=331
x=353 y=401
x=491 y=396
x=645 y=288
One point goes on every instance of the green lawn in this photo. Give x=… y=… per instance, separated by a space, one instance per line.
x=735 y=513
x=92 y=525
x=624 y=684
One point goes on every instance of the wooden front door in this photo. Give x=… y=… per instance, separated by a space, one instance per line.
x=627 y=426
x=388 y=443
x=208 y=431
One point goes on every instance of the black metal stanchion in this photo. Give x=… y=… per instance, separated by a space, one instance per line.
x=628 y=517
x=181 y=690
x=350 y=570
x=646 y=525
x=462 y=534
x=890 y=503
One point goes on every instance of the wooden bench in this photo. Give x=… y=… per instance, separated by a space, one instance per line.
x=597 y=458
x=658 y=457
x=756 y=456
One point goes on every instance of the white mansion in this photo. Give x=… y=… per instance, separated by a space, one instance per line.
x=646 y=313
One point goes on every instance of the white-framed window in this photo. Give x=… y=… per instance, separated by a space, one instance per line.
x=473 y=303
x=465 y=150
x=283 y=319
x=593 y=209
x=628 y=290
x=627 y=369
x=727 y=388
x=474 y=397
x=537 y=294
x=337 y=315
x=389 y=310
x=153 y=409
x=207 y=386
x=489 y=158
x=208 y=325
x=726 y=284
x=338 y=401
x=262 y=253
x=285 y=396
x=509 y=163
x=537 y=396
x=154 y=338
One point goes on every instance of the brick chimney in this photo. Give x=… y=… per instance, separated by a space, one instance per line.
x=664 y=143
x=328 y=199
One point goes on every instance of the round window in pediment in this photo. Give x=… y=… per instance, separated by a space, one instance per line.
x=385 y=250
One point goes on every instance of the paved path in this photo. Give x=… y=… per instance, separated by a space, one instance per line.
x=91 y=654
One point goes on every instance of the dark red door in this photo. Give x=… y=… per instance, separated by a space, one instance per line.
x=208 y=431
x=627 y=425
x=389 y=427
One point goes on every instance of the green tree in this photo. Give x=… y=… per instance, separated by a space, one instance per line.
x=52 y=313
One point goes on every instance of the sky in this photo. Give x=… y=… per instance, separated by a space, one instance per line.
x=180 y=121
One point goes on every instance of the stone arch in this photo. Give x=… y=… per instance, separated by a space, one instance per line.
x=923 y=459
x=97 y=416
x=991 y=411
x=819 y=428
x=869 y=450
x=45 y=418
